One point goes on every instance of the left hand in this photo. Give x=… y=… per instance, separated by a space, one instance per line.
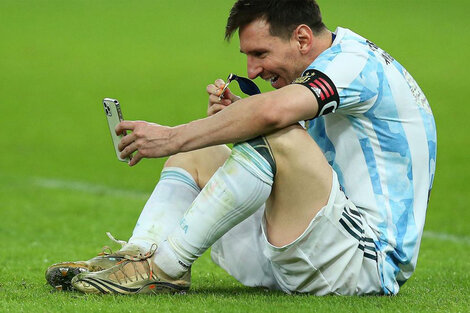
x=150 y=140
x=215 y=104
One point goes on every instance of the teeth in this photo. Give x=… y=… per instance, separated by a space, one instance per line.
x=272 y=79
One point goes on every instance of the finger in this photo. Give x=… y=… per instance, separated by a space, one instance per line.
x=233 y=97
x=213 y=99
x=211 y=111
x=219 y=83
x=212 y=89
x=127 y=151
x=227 y=93
x=126 y=140
x=215 y=108
x=226 y=102
x=124 y=125
x=216 y=87
x=135 y=159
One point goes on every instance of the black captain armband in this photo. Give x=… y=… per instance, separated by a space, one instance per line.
x=322 y=88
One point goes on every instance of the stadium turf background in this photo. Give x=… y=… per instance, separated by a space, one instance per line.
x=61 y=187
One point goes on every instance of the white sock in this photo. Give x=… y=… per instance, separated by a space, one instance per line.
x=234 y=192
x=172 y=196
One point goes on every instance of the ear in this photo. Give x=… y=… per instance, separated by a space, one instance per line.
x=304 y=38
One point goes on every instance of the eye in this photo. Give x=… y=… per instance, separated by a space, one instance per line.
x=260 y=54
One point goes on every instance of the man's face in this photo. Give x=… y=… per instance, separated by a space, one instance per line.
x=270 y=57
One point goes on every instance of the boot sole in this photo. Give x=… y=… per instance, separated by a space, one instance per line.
x=60 y=275
x=100 y=286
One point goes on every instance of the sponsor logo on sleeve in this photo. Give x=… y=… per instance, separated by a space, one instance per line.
x=323 y=86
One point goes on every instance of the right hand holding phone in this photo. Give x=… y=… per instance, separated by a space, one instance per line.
x=149 y=140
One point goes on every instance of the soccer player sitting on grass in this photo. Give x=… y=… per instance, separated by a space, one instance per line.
x=335 y=205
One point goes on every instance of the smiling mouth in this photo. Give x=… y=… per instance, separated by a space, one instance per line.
x=273 y=79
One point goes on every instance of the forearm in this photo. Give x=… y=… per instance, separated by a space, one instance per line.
x=240 y=121
x=247 y=118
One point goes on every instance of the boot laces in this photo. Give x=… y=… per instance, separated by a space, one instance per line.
x=121 y=242
x=133 y=260
x=106 y=250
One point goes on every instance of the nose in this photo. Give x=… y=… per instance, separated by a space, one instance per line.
x=254 y=67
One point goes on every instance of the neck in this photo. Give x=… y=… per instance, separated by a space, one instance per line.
x=322 y=42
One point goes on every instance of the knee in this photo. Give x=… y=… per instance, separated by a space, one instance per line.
x=202 y=163
x=182 y=160
x=216 y=154
x=295 y=150
x=278 y=144
x=289 y=139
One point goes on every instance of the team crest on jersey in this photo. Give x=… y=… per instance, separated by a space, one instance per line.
x=323 y=89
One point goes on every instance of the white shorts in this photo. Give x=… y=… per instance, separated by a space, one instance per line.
x=335 y=255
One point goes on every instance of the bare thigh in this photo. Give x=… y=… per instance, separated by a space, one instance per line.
x=302 y=184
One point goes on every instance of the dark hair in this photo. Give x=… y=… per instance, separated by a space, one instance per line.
x=283 y=16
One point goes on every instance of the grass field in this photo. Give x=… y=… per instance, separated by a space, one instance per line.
x=61 y=188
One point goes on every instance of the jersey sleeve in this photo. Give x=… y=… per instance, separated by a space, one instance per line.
x=355 y=75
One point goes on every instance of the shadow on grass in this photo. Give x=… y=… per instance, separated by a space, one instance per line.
x=235 y=291
x=217 y=291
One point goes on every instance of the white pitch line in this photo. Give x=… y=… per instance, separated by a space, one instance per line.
x=51 y=183
x=446 y=237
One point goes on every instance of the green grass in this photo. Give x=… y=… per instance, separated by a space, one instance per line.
x=61 y=188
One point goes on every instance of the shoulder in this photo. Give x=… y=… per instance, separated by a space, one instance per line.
x=352 y=68
x=348 y=49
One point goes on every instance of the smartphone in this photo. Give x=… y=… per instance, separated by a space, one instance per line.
x=112 y=109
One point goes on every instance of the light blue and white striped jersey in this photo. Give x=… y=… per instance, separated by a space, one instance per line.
x=381 y=141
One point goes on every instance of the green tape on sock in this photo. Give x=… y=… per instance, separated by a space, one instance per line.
x=261 y=145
